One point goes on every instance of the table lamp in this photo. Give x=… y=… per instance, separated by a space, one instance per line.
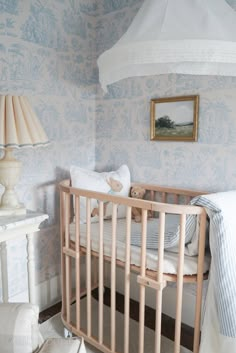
x=19 y=128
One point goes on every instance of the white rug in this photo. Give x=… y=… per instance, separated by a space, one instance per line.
x=54 y=328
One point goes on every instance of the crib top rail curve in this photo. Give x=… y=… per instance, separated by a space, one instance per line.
x=164 y=203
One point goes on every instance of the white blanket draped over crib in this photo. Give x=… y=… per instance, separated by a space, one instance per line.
x=219 y=321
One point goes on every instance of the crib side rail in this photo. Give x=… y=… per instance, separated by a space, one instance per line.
x=132 y=202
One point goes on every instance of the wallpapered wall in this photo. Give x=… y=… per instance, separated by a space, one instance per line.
x=123 y=121
x=47 y=53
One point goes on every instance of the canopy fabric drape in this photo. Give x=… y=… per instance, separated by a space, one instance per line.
x=194 y=37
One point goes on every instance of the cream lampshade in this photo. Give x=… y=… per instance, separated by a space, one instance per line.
x=19 y=128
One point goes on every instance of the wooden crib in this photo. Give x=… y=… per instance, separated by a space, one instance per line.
x=82 y=260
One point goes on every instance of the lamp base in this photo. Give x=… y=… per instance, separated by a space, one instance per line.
x=9 y=175
x=12 y=211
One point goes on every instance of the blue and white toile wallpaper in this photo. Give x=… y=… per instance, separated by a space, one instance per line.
x=48 y=51
x=123 y=120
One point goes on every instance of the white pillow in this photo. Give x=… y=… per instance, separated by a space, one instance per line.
x=63 y=345
x=114 y=183
x=19 y=329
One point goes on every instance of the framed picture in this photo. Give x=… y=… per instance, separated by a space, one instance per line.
x=175 y=118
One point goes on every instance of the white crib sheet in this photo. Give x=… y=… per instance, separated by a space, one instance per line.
x=170 y=258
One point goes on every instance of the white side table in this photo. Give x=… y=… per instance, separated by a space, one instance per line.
x=12 y=227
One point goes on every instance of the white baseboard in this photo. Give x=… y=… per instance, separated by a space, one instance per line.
x=48 y=293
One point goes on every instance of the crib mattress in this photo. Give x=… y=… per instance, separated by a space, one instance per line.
x=170 y=257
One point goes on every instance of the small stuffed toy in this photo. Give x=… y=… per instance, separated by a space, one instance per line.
x=137 y=192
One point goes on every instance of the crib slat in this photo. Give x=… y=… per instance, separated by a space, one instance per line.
x=67 y=217
x=88 y=265
x=113 y=277
x=67 y=258
x=160 y=280
x=77 y=260
x=163 y=197
x=127 y=280
x=180 y=272
x=176 y=198
x=201 y=253
x=101 y=273
x=142 y=287
x=62 y=226
x=152 y=195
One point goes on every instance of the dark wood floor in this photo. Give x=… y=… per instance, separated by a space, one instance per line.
x=168 y=324
x=48 y=313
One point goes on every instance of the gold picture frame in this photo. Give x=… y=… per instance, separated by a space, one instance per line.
x=174 y=118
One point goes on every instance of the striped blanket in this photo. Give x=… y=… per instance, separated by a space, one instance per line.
x=172 y=232
x=219 y=323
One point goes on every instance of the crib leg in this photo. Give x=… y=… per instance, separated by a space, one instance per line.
x=67 y=333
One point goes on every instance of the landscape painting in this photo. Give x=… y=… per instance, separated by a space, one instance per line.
x=174 y=118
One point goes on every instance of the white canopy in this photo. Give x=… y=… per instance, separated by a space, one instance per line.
x=196 y=37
